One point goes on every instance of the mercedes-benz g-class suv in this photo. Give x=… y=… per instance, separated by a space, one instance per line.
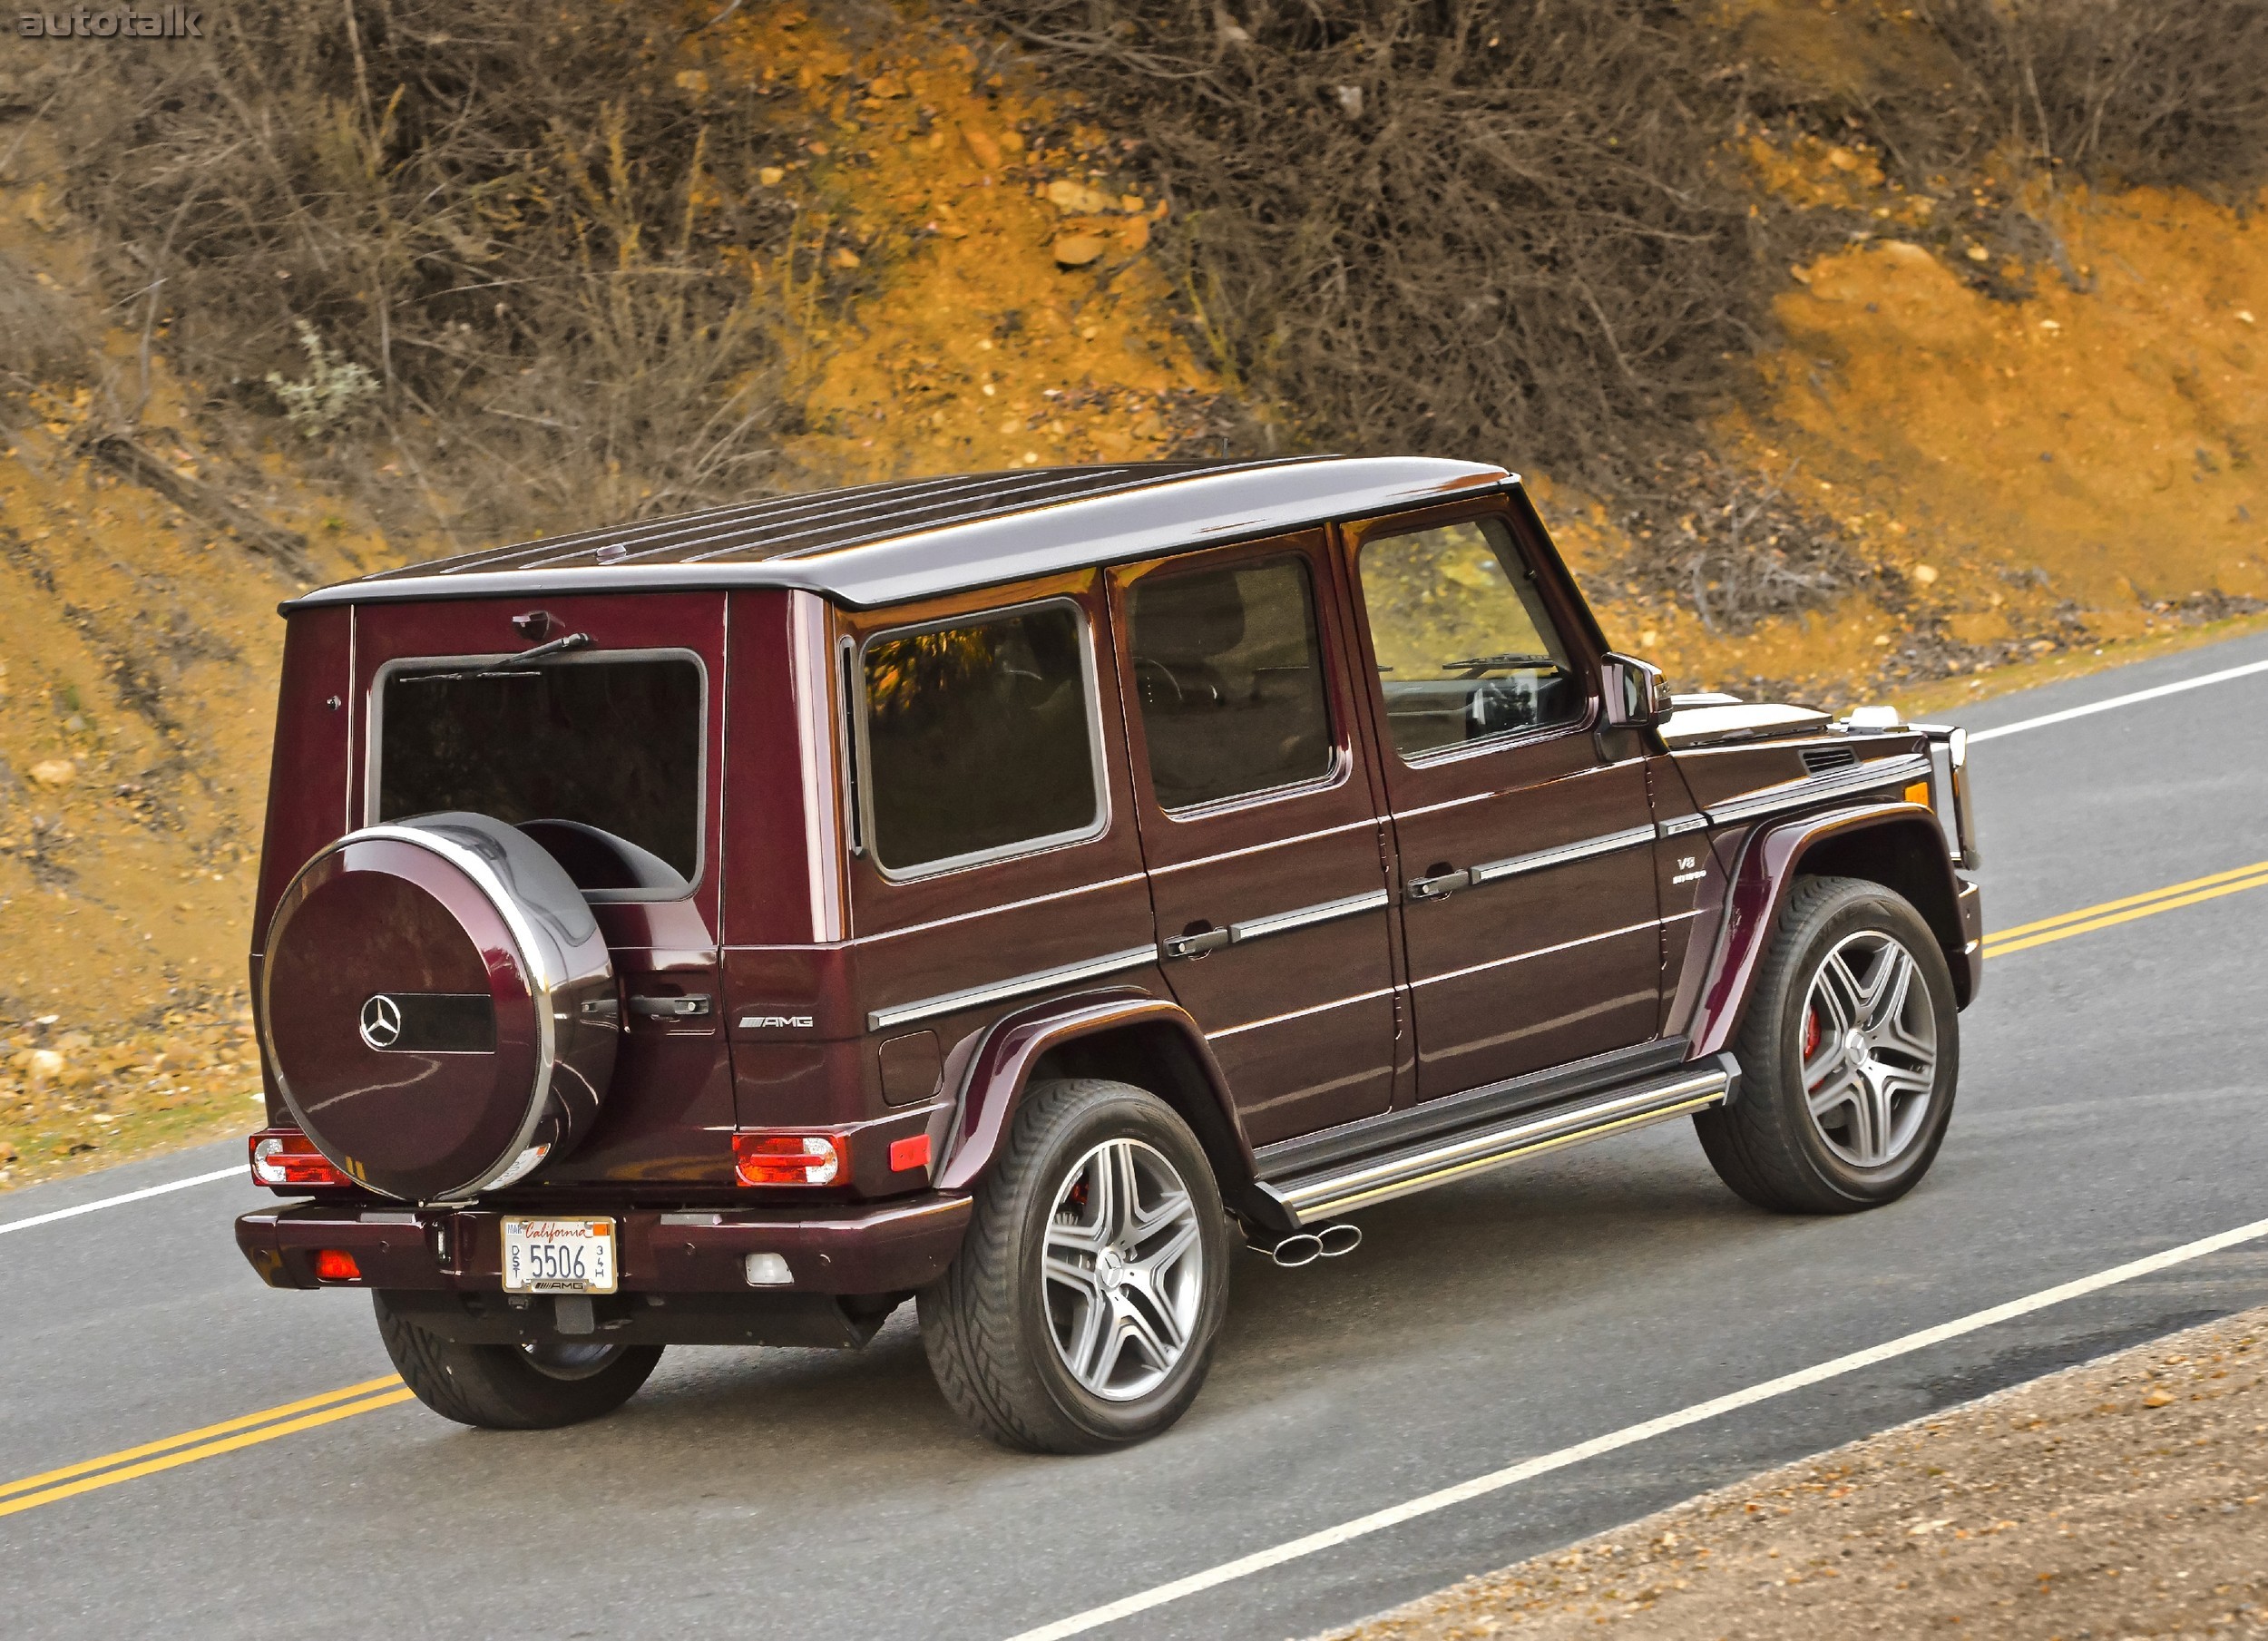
x=1007 y=892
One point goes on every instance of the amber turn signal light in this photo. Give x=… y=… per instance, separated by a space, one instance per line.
x=285 y=1159
x=1918 y=793
x=790 y=1159
x=336 y=1264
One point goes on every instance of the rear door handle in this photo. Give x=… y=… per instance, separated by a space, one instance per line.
x=692 y=1007
x=1194 y=946
x=1440 y=887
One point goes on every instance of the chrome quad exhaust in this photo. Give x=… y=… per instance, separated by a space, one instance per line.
x=1305 y=1247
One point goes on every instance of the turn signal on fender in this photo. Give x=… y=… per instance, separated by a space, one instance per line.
x=286 y=1159
x=790 y=1159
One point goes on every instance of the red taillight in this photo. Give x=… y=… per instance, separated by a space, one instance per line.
x=285 y=1158
x=336 y=1264
x=790 y=1159
x=907 y=1154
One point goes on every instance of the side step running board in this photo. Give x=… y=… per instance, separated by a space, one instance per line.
x=1341 y=1189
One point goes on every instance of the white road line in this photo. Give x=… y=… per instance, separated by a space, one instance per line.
x=2069 y=713
x=1629 y=1435
x=238 y=1172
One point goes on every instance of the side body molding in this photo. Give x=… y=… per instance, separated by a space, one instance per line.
x=1123 y=1032
x=1899 y=844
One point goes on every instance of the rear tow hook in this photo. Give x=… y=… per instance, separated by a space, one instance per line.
x=1305 y=1247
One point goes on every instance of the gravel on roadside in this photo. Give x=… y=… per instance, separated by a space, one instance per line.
x=2125 y=1497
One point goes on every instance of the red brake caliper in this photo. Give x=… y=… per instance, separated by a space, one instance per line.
x=1811 y=1033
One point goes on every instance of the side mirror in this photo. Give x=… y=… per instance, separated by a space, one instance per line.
x=1635 y=696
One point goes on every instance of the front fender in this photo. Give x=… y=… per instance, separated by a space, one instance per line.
x=1900 y=846
x=1001 y=1061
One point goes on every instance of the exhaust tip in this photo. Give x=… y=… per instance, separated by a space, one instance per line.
x=1297 y=1249
x=1339 y=1238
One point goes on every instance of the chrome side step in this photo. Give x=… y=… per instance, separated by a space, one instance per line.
x=1361 y=1185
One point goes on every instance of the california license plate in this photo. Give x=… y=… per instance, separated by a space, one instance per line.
x=558 y=1255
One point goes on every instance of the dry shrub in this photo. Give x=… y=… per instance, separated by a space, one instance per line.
x=1493 y=227
x=516 y=218
x=39 y=334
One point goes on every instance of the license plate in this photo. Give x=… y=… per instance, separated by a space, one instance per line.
x=558 y=1255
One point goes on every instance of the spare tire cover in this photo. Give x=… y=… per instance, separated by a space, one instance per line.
x=438 y=1007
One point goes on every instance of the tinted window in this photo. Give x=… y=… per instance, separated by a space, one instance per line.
x=1465 y=650
x=979 y=737
x=1230 y=681
x=598 y=760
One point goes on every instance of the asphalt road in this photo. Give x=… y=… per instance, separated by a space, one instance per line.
x=2110 y=1107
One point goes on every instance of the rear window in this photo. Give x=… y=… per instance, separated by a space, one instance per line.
x=979 y=739
x=598 y=760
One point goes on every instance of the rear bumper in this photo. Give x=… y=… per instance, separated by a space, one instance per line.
x=893 y=1248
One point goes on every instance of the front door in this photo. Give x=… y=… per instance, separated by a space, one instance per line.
x=1528 y=909
x=1260 y=828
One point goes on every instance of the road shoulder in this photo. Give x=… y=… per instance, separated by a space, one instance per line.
x=2128 y=1494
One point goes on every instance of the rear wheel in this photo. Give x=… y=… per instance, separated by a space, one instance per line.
x=1081 y=1310
x=513 y=1387
x=1848 y=1057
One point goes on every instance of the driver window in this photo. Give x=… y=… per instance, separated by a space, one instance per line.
x=1465 y=650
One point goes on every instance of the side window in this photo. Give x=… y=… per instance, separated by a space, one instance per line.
x=1230 y=679
x=979 y=739
x=1465 y=649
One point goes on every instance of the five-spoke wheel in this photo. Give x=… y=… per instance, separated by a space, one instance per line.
x=1125 y=1269
x=1082 y=1309
x=1848 y=1056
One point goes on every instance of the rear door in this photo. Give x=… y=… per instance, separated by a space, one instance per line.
x=609 y=755
x=1267 y=860
x=1525 y=840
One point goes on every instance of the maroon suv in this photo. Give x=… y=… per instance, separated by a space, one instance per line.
x=998 y=890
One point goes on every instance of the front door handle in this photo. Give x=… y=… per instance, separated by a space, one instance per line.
x=1440 y=887
x=692 y=1007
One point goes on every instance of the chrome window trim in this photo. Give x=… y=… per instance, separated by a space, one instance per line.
x=374 y=743
x=1543 y=860
x=1906 y=767
x=1097 y=769
x=1306 y=917
x=1016 y=985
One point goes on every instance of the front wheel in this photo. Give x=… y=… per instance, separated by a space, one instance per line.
x=1848 y=1057
x=513 y=1387
x=1080 y=1312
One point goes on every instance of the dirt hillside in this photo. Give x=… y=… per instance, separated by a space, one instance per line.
x=2028 y=458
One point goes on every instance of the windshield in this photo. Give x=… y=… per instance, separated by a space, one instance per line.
x=598 y=760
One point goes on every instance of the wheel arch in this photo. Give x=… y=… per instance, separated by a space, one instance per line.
x=1131 y=1038
x=1898 y=845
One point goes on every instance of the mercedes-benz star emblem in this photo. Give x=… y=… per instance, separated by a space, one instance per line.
x=381 y=1021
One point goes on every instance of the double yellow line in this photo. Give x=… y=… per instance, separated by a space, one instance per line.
x=292 y=1417
x=189 y=1446
x=2087 y=919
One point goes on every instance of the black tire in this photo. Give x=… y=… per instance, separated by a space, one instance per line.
x=504 y=1387
x=991 y=1323
x=1767 y=1144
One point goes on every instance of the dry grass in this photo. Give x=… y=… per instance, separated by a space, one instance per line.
x=527 y=227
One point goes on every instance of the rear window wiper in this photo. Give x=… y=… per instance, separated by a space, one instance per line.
x=526 y=657
x=1497 y=663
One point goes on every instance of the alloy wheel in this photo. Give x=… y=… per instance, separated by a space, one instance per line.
x=1124 y=1270
x=1870 y=1050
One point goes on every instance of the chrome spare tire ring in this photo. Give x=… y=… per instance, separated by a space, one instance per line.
x=1123 y=1270
x=1868 y=1041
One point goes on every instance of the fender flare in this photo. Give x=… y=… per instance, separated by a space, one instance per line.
x=1776 y=853
x=998 y=1063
